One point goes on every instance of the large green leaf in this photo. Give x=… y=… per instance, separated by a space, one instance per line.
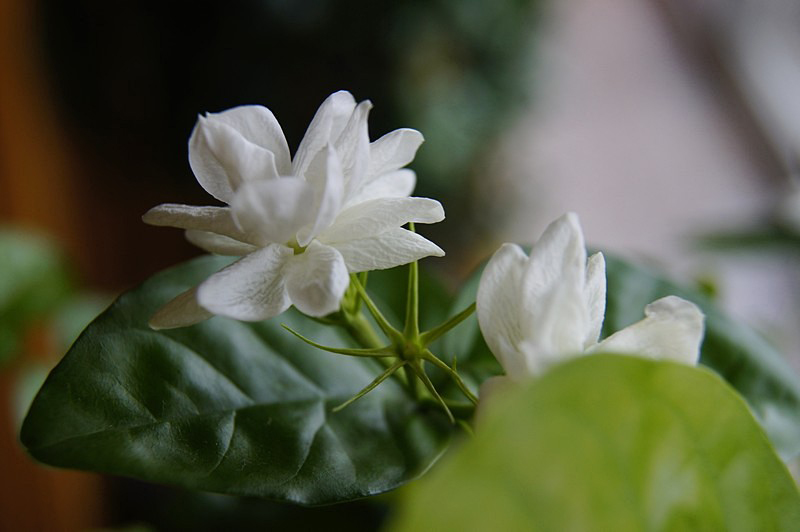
x=735 y=351
x=610 y=443
x=227 y=406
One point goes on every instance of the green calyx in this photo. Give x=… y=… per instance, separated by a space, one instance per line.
x=407 y=349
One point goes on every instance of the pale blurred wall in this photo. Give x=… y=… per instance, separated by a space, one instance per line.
x=628 y=134
x=634 y=130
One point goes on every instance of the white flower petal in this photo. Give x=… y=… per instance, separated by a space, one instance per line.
x=273 y=209
x=214 y=219
x=327 y=181
x=325 y=127
x=182 y=311
x=393 y=150
x=259 y=126
x=554 y=326
x=554 y=309
x=221 y=158
x=559 y=253
x=353 y=149
x=208 y=170
x=397 y=184
x=672 y=329
x=250 y=289
x=219 y=244
x=595 y=295
x=375 y=216
x=498 y=308
x=317 y=279
x=391 y=248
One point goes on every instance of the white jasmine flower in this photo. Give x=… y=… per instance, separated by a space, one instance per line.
x=302 y=224
x=535 y=311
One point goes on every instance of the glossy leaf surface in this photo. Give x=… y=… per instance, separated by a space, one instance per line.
x=227 y=406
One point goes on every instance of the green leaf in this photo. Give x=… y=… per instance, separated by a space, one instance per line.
x=609 y=442
x=735 y=351
x=227 y=406
x=33 y=282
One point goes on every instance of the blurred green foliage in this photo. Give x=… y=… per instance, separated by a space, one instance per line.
x=34 y=280
x=777 y=237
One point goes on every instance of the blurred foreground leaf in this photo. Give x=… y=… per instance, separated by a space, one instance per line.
x=747 y=361
x=227 y=406
x=608 y=442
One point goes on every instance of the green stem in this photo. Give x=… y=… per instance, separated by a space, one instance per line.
x=411 y=331
x=361 y=330
x=411 y=381
x=362 y=279
x=420 y=371
x=412 y=303
x=393 y=334
x=371 y=386
x=428 y=337
x=466 y=427
x=430 y=357
x=380 y=352
x=460 y=410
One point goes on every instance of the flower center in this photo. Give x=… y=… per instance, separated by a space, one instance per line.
x=298 y=249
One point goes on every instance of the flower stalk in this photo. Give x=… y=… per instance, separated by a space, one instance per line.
x=406 y=349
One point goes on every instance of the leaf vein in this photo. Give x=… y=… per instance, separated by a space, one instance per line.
x=313 y=439
x=212 y=366
x=166 y=421
x=227 y=445
x=290 y=363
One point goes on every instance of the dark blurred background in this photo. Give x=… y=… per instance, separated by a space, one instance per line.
x=127 y=80
x=97 y=102
x=657 y=121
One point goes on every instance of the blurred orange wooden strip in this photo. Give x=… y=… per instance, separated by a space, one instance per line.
x=35 y=191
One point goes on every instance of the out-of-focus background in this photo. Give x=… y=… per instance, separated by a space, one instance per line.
x=671 y=126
